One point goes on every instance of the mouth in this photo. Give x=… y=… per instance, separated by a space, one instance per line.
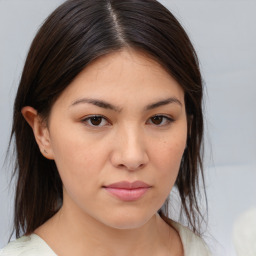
x=128 y=191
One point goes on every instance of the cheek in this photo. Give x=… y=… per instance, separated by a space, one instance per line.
x=168 y=158
x=170 y=149
x=79 y=168
x=78 y=158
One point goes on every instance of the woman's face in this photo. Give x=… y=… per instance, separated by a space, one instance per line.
x=117 y=135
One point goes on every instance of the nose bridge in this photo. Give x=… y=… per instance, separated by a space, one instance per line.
x=133 y=139
x=130 y=150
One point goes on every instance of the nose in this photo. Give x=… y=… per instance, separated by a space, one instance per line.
x=130 y=150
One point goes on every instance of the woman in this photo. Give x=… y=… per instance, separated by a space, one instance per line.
x=107 y=120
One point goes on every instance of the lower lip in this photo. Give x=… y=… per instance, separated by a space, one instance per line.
x=127 y=194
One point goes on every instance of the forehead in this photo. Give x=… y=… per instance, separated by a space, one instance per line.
x=124 y=74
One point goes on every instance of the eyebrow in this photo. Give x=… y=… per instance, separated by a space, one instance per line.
x=98 y=103
x=106 y=105
x=163 y=102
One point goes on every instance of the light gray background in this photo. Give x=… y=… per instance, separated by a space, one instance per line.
x=224 y=35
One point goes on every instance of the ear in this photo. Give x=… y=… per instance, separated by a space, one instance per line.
x=40 y=131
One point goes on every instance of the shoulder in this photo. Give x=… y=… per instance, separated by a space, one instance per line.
x=244 y=233
x=192 y=244
x=27 y=246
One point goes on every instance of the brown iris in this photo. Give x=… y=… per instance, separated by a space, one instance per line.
x=96 y=120
x=157 y=120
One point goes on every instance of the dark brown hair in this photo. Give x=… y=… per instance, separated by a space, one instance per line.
x=74 y=35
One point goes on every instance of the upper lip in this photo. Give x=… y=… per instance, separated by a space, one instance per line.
x=128 y=185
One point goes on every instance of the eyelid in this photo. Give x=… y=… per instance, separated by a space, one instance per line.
x=168 y=120
x=167 y=117
x=86 y=118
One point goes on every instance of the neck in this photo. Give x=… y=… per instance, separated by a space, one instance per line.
x=83 y=235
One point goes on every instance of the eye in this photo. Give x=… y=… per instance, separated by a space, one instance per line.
x=160 y=120
x=95 y=121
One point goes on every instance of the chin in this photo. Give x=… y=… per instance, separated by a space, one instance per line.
x=127 y=221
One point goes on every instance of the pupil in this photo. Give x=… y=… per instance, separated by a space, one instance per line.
x=96 y=120
x=157 y=119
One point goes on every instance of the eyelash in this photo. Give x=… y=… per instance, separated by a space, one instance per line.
x=89 y=119
x=168 y=120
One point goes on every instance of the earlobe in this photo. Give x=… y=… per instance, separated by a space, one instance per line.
x=40 y=131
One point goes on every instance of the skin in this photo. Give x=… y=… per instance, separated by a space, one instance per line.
x=128 y=145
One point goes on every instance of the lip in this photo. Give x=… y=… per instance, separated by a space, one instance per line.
x=128 y=191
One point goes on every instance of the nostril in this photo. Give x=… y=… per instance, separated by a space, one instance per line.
x=129 y=155
x=132 y=167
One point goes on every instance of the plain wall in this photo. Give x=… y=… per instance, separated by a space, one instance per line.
x=224 y=35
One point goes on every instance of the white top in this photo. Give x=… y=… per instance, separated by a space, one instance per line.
x=34 y=245
x=244 y=233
